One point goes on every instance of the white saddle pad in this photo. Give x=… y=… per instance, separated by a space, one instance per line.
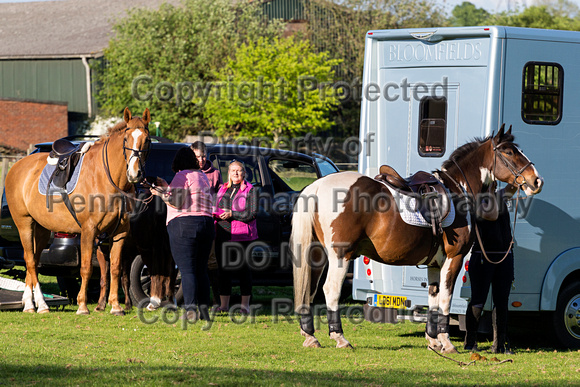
x=407 y=207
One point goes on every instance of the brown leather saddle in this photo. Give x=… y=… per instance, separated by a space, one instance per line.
x=68 y=155
x=431 y=195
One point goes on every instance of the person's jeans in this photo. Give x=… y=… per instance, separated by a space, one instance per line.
x=191 y=239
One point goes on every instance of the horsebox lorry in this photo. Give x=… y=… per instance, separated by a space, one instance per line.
x=427 y=92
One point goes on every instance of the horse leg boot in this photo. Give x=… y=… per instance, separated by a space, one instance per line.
x=431 y=330
x=472 y=317
x=433 y=313
x=335 y=329
x=443 y=334
x=307 y=330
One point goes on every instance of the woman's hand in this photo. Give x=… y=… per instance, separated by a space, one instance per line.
x=225 y=215
x=159 y=187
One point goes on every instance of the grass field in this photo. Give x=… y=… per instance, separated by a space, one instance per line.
x=61 y=348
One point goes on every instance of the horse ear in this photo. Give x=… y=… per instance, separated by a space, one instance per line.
x=509 y=132
x=127 y=115
x=499 y=134
x=146 y=116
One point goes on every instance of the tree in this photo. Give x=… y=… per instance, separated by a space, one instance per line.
x=563 y=8
x=468 y=14
x=273 y=89
x=165 y=59
x=536 y=17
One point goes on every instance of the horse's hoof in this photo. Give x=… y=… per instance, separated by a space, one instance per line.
x=30 y=310
x=117 y=312
x=311 y=342
x=99 y=308
x=341 y=342
x=43 y=311
x=83 y=312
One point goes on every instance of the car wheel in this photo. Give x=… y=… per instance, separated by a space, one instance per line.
x=566 y=318
x=141 y=284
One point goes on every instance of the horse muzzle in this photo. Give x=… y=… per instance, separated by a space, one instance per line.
x=535 y=189
x=138 y=177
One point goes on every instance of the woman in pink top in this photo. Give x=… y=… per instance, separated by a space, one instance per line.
x=237 y=208
x=190 y=228
x=215 y=181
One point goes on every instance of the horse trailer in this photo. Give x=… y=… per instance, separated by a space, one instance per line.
x=427 y=92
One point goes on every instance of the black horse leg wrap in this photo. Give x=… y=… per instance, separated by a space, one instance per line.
x=431 y=328
x=443 y=324
x=307 y=323
x=334 y=323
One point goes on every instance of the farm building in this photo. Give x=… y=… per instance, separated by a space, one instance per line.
x=46 y=50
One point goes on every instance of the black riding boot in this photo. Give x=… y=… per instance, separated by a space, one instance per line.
x=499 y=321
x=472 y=316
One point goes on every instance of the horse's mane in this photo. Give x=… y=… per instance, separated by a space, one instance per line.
x=120 y=126
x=466 y=149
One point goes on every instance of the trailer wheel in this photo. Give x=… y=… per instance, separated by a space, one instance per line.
x=566 y=318
x=141 y=283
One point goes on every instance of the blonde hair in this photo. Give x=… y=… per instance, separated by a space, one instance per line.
x=229 y=183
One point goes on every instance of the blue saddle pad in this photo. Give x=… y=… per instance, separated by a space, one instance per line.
x=47 y=173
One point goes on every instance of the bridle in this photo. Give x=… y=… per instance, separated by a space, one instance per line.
x=516 y=173
x=509 y=165
x=141 y=156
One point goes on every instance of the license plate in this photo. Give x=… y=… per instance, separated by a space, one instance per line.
x=387 y=301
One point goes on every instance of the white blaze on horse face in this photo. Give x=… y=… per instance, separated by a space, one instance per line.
x=528 y=191
x=133 y=168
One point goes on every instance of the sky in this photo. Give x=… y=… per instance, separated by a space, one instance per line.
x=491 y=6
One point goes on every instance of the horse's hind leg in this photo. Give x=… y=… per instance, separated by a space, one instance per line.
x=104 y=268
x=34 y=239
x=337 y=269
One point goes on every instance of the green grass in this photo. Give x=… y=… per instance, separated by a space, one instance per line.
x=62 y=348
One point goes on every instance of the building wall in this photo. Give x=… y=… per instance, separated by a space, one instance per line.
x=24 y=123
x=62 y=80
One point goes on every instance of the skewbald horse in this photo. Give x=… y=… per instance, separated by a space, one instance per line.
x=110 y=168
x=324 y=226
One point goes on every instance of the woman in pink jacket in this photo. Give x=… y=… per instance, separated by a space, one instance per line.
x=237 y=207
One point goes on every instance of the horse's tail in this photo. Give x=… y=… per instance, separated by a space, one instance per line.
x=300 y=241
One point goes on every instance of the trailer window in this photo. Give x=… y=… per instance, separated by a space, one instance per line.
x=542 y=93
x=432 y=126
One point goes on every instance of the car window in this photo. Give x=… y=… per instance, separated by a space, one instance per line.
x=290 y=175
x=326 y=167
x=222 y=163
x=159 y=163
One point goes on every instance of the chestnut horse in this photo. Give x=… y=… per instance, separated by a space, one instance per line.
x=110 y=168
x=324 y=225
